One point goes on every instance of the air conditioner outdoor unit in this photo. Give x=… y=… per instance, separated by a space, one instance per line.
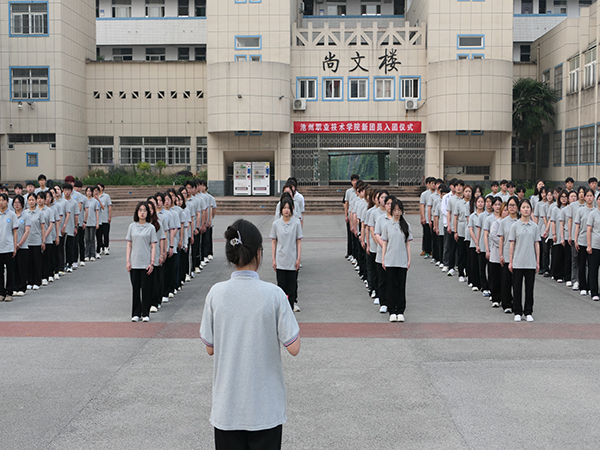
x=299 y=104
x=411 y=104
x=11 y=146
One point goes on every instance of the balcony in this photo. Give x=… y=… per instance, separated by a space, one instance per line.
x=353 y=21
x=151 y=31
x=529 y=27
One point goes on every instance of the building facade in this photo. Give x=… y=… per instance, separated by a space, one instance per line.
x=394 y=89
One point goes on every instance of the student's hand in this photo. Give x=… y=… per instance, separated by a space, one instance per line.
x=423 y=221
x=570 y=241
x=192 y=238
x=408 y=265
x=545 y=235
x=75 y=232
x=179 y=245
x=97 y=226
x=477 y=249
x=510 y=267
x=456 y=237
x=589 y=249
x=576 y=246
x=562 y=242
x=57 y=240
x=274 y=266
x=150 y=268
x=128 y=267
x=63 y=229
x=554 y=238
x=170 y=252
x=346 y=219
x=43 y=246
x=487 y=255
x=297 y=265
x=383 y=264
x=363 y=245
x=502 y=261
x=537 y=267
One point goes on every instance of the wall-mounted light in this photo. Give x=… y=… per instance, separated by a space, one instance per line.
x=281 y=97
x=239 y=95
x=20 y=106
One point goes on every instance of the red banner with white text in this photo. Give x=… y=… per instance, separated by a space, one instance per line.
x=360 y=126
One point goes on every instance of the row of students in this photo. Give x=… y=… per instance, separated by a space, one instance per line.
x=42 y=228
x=379 y=247
x=168 y=243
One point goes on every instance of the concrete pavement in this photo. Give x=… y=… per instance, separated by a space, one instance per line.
x=457 y=375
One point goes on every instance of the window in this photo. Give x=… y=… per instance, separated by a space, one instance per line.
x=526 y=6
x=247 y=42
x=410 y=88
x=574 y=75
x=560 y=6
x=589 y=75
x=332 y=89
x=470 y=41
x=172 y=150
x=546 y=77
x=557 y=148
x=358 y=89
x=201 y=154
x=155 y=8
x=29 y=83
x=123 y=54
x=558 y=81
x=525 y=53
x=200 y=53
x=462 y=57
x=336 y=9
x=31 y=159
x=183 y=53
x=571 y=147
x=545 y=153
x=28 y=138
x=28 y=19
x=183 y=8
x=155 y=54
x=255 y=58
x=241 y=58
x=477 y=56
x=179 y=155
x=370 y=9
x=384 y=88
x=100 y=149
x=306 y=88
x=586 y=155
x=121 y=8
x=200 y=8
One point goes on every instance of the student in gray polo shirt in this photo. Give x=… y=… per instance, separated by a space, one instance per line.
x=8 y=248
x=524 y=263
x=593 y=250
x=286 y=247
x=244 y=324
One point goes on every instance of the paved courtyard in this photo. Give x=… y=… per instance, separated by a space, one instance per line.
x=76 y=374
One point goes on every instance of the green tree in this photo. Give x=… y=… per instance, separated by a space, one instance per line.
x=533 y=107
x=161 y=165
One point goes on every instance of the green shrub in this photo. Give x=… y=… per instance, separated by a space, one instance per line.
x=137 y=175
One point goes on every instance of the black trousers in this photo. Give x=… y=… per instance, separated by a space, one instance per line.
x=141 y=284
x=473 y=269
x=396 y=289
x=99 y=238
x=249 y=440
x=210 y=240
x=48 y=258
x=568 y=262
x=287 y=280
x=506 y=285
x=184 y=264
x=545 y=263
x=105 y=234
x=21 y=261
x=156 y=286
x=7 y=260
x=70 y=251
x=594 y=265
x=461 y=255
x=518 y=276
x=426 y=242
x=381 y=285
x=196 y=251
x=60 y=259
x=582 y=257
x=80 y=244
x=205 y=244
x=558 y=262
x=34 y=276
x=372 y=265
x=483 y=279
x=440 y=243
x=495 y=270
x=435 y=246
x=449 y=249
x=348 y=239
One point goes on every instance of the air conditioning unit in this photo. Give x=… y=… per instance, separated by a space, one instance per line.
x=11 y=146
x=299 y=104
x=411 y=104
x=52 y=145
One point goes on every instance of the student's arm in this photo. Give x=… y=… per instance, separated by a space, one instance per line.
x=273 y=252
x=570 y=230
x=173 y=233
x=408 y=253
x=15 y=232
x=128 y=256
x=43 y=236
x=589 y=239
x=109 y=213
x=554 y=236
x=299 y=251
x=486 y=241
x=163 y=251
x=64 y=227
x=478 y=240
x=198 y=221
x=455 y=227
x=57 y=224
x=537 y=257
x=576 y=236
x=85 y=217
x=150 y=267
x=501 y=247
x=346 y=210
x=24 y=237
x=422 y=213
x=293 y=348
x=511 y=253
x=383 y=249
x=449 y=221
x=97 y=219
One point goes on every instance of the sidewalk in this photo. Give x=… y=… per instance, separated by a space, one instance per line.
x=457 y=375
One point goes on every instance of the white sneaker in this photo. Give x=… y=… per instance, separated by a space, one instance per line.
x=595 y=298
x=529 y=318
x=87 y=258
x=98 y=256
x=51 y=279
x=210 y=257
x=145 y=319
x=29 y=286
x=35 y=287
x=206 y=259
x=517 y=317
x=575 y=286
x=474 y=288
x=392 y=317
x=193 y=274
x=470 y=285
x=433 y=261
x=197 y=270
x=153 y=309
x=451 y=272
x=559 y=281
x=357 y=268
x=373 y=294
x=165 y=300
x=296 y=307
x=92 y=259
x=203 y=264
x=508 y=311
x=107 y=253
x=170 y=295
x=188 y=278
x=376 y=301
x=399 y=317
x=461 y=279
x=19 y=294
x=583 y=292
x=495 y=305
x=366 y=282
x=486 y=293
x=44 y=282
x=438 y=264
x=383 y=309
x=69 y=270
x=56 y=277
x=75 y=266
x=445 y=269
x=569 y=284
x=135 y=319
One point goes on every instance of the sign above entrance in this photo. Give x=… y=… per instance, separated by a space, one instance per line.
x=360 y=126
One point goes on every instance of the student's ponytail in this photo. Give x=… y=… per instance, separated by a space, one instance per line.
x=243 y=242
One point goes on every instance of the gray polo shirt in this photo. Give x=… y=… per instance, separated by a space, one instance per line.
x=91 y=205
x=593 y=221
x=494 y=240
x=452 y=200
x=350 y=193
x=176 y=222
x=35 y=231
x=246 y=321
x=160 y=235
x=437 y=212
x=558 y=216
x=379 y=224
x=106 y=201
x=297 y=210
x=461 y=210
x=473 y=221
x=49 y=219
x=80 y=199
x=141 y=237
x=375 y=213
x=425 y=195
x=286 y=234
x=23 y=223
x=504 y=230
x=573 y=208
x=8 y=222
x=541 y=211
x=73 y=207
x=396 y=254
x=524 y=235
x=60 y=205
x=165 y=222
x=581 y=219
x=483 y=225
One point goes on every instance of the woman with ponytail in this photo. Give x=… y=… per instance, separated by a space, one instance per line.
x=396 y=237
x=244 y=324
